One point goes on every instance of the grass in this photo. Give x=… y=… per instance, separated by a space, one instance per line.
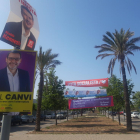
x=98 y=124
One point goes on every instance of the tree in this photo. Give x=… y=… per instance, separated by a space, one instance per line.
x=136 y=100
x=53 y=98
x=45 y=60
x=120 y=45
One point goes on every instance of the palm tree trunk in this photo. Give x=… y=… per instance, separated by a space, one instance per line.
x=126 y=97
x=37 y=126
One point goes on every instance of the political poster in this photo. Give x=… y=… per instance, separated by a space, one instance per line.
x=91 y=103
x=17 y=72
x=21 y=29
x=85 y=93
x=88 y=83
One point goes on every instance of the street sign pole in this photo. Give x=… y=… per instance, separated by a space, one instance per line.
x=6 y=125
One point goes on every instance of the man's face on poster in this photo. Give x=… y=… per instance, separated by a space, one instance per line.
x=98 y=91
x=27 y=19
x=66 y=93
x=87 y=92
x=13 y=60
x=77 y=92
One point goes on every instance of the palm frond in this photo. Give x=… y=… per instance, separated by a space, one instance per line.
x=120 y=45
x=108 y=40
x=132 y=65
x=129 y=52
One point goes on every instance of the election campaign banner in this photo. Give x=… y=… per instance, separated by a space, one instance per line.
x=17 y=72
x=85 y=93
x=21 y=29
x=88 y=83
x=90 y=103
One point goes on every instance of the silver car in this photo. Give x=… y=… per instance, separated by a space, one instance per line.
x=48 y=116
x=27 y=119
x=139 y=116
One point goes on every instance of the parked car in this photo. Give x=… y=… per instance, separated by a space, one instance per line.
x=124 y=114
x=27 y=119
x=42 y=117
x=32 y=118
x=139 y=116
x=61 y=115
x=48 y=116
x=53 y=116
x=112 y=113
x=121 y=113
x=16 y=120
x=134 y=114
x=72 y=113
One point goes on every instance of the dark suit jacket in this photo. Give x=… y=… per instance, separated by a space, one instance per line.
x=12 y=35
x=24 y=81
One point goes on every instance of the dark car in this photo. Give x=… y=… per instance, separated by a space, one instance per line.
x=42 y=117
x=112 y=113
x=16 y=120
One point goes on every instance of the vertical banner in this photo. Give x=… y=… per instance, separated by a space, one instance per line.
x=17 y=72
x=21 y=29
x=88 y=83
x=90 y=103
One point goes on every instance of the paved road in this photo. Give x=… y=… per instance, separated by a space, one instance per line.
x=20 y=133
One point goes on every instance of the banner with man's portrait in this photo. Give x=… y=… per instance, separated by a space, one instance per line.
x=85 y=93
x=17 y=72
x=21 y=29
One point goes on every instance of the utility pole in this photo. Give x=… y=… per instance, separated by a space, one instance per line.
x=6 y=126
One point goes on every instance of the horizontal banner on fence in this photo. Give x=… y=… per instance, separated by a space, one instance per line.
x=88 y=83
x=85 y=93
x=90 y=103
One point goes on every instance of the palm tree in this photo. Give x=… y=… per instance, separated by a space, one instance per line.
x=119 y=46
x=45 y=60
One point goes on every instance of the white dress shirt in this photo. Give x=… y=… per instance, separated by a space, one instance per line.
x=24 y=38
x=13 y=81
x=14 y=85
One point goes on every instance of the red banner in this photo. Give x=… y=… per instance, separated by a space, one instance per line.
x=88 y=83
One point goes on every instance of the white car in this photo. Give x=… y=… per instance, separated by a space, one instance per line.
x=134 y=114
x=48 y=116
x=139 y=116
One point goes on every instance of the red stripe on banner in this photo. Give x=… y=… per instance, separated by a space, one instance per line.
x=112 y=103
x=69 y=102
x=88 y=83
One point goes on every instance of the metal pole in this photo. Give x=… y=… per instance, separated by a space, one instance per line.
x=6 y=125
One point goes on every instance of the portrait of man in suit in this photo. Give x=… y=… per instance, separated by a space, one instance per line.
x=87 y=92
x=11 y=77
x=67 y=92
x=77 y=92
x=18 y=34
x=98 y=91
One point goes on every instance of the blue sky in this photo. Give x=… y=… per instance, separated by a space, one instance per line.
x=72 y=28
